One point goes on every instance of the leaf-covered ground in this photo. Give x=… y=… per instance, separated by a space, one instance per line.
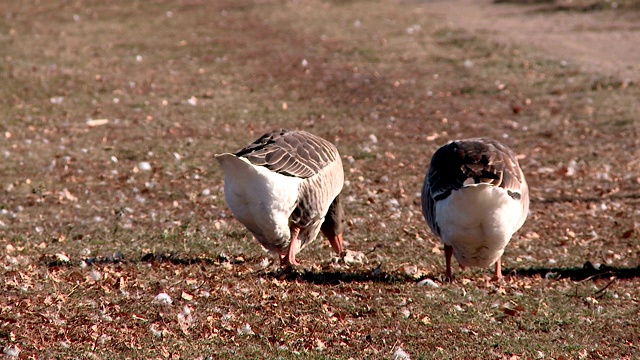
x=117 y=243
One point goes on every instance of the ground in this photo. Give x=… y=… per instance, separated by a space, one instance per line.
x=117 y=242
x=573 y=31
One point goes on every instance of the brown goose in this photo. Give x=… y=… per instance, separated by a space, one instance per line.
x=284 y=188
x=474 y=198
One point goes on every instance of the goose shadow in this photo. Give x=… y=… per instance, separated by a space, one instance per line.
x=586 y=272
x=365 y=275
x=335 y=277
x=319 y=277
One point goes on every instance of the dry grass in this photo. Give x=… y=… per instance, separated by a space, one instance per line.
x=98 y=220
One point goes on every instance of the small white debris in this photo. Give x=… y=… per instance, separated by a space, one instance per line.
x=571 y=168
x=354 y=257
x=206 y=192
x=116 y=100
x=62 y=257
x=428 y=282
x=162 y=299
x=103 y=339
x=405 y=313
x=320 y=345
x=13 y=351
x=264 y=262
x=393 y=203
x=245 y=330
x=400 y=354
x=413 y=29
x=539 y=355
x=590 y=300
x=357 y=23
x=76 y=17
x=458 y=308
x=57 y=100
x=97 y=122
x=144 y=166
x=114 y=159
x=184 y=318
x=193 y=101
x=305 y=63
x=373 y=139
x=410 y=270
x=169 y=14
x=177 y=156
x=550 y=275
x=468 y=64
x=95 y=275
x=138 y=58
x=154 y=330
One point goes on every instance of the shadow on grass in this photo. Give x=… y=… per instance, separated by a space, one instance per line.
x=586 y=272
x=587 y=199
x=337 y=277
x=332 y=277
x=553 y=6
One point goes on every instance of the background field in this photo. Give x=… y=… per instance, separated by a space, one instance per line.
x=111 y=112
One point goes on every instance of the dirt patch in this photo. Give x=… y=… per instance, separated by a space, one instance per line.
x=600 y=38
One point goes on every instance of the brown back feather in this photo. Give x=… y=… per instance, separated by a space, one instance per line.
x=292 y=153
x=470 y=161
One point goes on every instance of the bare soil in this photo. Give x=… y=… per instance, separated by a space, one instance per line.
x=602 y=38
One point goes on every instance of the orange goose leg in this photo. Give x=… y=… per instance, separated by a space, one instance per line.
x=289 y=259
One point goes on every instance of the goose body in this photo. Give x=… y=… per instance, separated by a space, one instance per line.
x=284 y=188
x=474 y=198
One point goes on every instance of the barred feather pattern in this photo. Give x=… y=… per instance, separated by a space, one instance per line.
x=291 y=153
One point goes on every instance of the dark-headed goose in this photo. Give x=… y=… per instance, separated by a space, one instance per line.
x=474 y=198
x=284 y=188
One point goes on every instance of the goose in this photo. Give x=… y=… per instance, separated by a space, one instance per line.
x=474 y=198
x=285 y=188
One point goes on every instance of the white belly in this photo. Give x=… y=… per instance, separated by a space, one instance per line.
x=478 y=222
x=260 y=199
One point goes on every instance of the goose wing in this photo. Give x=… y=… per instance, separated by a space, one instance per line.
x=291 y=153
